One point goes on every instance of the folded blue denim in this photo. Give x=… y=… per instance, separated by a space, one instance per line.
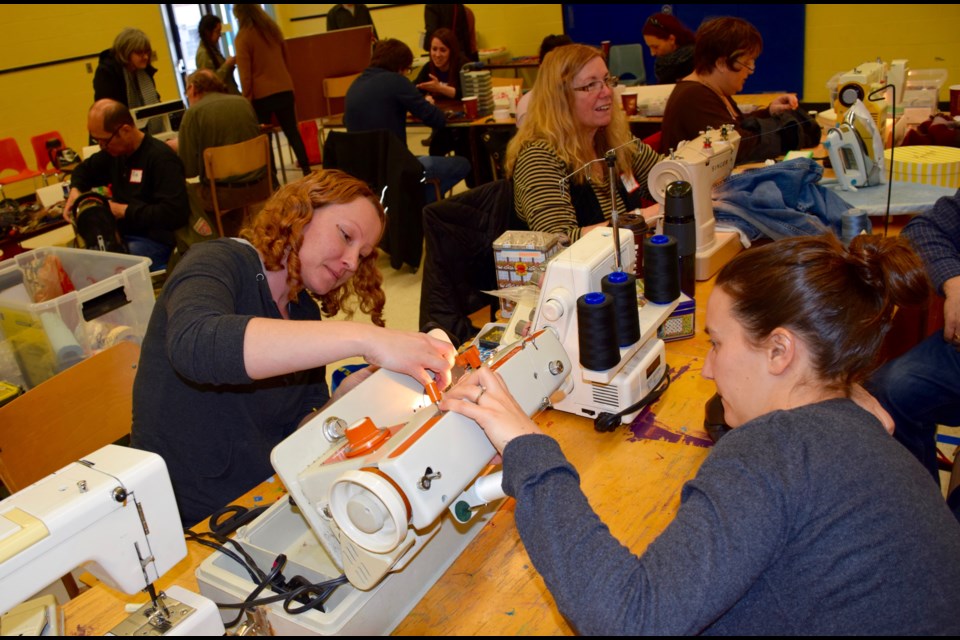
x=779 y=201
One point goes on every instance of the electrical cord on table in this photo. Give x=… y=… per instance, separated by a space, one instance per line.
x=609 y=421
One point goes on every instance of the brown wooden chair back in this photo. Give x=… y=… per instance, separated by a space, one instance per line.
x=228 y=161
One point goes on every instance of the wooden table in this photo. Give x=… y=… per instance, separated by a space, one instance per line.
x=631 y=476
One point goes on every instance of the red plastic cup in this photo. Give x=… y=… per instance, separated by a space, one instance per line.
x=470 y=107
x=955 y=100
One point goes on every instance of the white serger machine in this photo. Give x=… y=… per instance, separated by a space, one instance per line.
x=577 y=270
x=384 y=488
x=115 y=513
x=703 y=162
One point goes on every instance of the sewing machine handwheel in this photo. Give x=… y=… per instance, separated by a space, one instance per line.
x=369 y=510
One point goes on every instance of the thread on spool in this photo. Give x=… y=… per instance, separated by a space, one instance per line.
x=622 y=288
x=853 y=222
x=597 y=332
x=638 y=225
x=679 y=222
x=661 y=271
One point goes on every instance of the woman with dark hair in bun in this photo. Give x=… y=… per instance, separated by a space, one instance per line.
x=806 y=518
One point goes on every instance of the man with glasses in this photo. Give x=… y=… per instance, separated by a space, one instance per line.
x=146 y=180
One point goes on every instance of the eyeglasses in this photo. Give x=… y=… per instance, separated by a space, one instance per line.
x=655 y=22
x=749 y=67
x=104 y=142
x=597 y=85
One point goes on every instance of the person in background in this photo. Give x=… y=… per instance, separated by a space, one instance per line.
x=440 y=78
x=264 y=76
x=146 y=178
x=455 y=17
x=572 y=121
x=217 y=118
x=234 y=354
x=725 y=55
x=807 y=518
x=209 y=55
x=921 y=388
x=381 y=98
x=548 y=44
x=347 y=16
x=671 y=43
x=124 y=74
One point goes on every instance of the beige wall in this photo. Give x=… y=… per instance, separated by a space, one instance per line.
x=57 y=97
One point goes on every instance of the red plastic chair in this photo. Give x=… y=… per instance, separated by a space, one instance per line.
x=12 y=159
x=42 y=152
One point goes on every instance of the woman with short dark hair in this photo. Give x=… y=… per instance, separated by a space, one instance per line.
x=725 y=55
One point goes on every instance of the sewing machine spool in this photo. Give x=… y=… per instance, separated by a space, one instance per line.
x=661 y=273
x=597 y=331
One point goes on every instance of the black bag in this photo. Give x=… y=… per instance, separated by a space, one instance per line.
x=95 y=224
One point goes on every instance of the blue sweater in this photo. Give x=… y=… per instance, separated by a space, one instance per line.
x=809 y=521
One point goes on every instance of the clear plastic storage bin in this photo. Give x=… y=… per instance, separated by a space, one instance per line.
x=111 y=303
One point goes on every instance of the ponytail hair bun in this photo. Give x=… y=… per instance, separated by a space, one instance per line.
x=838 y=301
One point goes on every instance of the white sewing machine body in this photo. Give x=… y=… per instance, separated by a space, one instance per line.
x=114 y=512
x=855 y=147
x=858 y=84
x=573 y=272
x=703 y=162
x=386 y=516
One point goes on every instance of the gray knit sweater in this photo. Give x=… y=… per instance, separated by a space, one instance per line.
x=809 y=521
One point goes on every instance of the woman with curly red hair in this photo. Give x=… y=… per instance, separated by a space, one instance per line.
x=234 y=354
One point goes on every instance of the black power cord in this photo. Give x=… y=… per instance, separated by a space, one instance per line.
x=606 y=422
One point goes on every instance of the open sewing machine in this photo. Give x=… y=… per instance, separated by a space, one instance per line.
x=113 y=512
x=703 y=162
x=577 y=270
x=385 y=490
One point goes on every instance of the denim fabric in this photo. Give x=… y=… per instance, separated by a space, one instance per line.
x=779 y=201
x=448 y=169
x=920 y=390
x=158 y=252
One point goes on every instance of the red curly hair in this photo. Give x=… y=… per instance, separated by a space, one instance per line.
x=277 y=234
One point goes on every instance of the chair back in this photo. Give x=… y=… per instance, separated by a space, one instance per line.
x=64 y=418
x=380 y=159
x=626 y=61
x=42 y=152
x=229 y=161
x=336 y=88
x=11 y=159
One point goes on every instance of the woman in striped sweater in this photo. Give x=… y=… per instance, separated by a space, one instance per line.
x=573 y=119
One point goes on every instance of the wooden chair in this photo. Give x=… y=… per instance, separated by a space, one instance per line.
x=334 y=89
x=229 y=161
x=66 y=417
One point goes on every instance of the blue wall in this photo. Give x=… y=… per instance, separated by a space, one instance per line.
x=779 y=68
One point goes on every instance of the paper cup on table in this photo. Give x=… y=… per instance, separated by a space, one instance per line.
x=470 y=106
x=955 y=100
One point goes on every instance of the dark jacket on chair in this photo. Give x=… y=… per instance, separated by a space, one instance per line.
x=381 y=160
x=458 y=266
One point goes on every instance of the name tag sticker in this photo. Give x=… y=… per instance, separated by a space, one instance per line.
x=629 y=182
x=136 y=176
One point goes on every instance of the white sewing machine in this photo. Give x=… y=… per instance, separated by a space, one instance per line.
x=390 y=505
x=858 y=84
x=573 y=272
x=703 y=162
x=113 y=511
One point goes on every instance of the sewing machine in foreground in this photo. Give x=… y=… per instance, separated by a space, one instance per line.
x=114 y=512
x=381 y=491
x=703 y=162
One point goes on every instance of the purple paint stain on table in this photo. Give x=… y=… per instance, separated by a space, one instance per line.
x=646 y=427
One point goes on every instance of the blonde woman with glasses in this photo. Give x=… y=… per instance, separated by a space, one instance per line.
x=573 y=119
